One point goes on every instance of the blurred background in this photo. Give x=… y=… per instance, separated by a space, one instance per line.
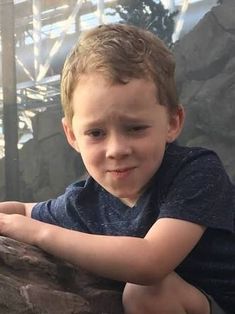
x=35 y=37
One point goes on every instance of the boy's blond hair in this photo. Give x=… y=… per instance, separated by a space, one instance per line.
x=120 y=53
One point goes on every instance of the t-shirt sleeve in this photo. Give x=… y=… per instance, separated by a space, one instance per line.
x=201 y=193
x=63 y=211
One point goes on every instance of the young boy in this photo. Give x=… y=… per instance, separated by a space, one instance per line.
x=152 y=214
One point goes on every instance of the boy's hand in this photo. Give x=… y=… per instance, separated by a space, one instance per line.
x=20 y=228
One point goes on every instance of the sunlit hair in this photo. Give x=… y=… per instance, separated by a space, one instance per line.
x=120 y=53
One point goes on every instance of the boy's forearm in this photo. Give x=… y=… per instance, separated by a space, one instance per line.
x=13 y=208
x=119 y=258
x=129 y=259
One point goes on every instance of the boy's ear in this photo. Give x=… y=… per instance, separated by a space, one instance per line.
x=69 y=134
x=176 y=122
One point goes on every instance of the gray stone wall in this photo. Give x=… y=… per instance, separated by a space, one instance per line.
x=205 y=76
x=47 y=162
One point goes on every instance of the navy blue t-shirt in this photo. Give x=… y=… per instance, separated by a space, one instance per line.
x=191 y=185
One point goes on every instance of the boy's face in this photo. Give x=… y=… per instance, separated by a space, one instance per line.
x=121 y=132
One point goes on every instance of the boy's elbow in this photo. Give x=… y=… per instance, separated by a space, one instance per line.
x=149 y=273
x=147 y=279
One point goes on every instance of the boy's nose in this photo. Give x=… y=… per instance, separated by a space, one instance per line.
x=117 y=147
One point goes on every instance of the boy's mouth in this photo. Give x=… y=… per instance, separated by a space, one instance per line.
x=121 y=169
x=122 y=172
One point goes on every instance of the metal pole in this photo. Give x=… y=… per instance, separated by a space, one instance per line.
x=37 y=36
x=100 y=11
x=180 y=20
x=10 y=116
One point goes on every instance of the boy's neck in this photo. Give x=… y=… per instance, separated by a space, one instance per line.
x=128 y=202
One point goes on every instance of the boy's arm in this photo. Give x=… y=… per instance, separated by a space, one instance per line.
x=130 y=259
x=20 y=208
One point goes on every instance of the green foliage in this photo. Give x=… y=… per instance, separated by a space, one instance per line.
x=147 y=14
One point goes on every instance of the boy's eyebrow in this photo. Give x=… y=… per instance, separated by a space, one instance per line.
x=135 y=120
x=123 y=119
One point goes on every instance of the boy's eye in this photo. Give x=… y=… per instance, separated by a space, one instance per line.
x=96 y=133
x=137 y=128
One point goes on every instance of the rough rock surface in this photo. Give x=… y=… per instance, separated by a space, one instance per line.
x=33 y=282
x=205 y=60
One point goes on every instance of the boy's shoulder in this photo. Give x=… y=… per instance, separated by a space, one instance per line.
x=175 y=149
x=180 y=158
x=189 y=169
x=193 y=185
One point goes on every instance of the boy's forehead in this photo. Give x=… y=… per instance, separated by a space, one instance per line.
x=96 y=86
x=94 y=90
x=95 y=98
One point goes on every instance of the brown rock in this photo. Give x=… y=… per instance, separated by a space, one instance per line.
x=32 y=281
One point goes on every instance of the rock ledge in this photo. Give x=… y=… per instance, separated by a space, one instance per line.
x=32 y=281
